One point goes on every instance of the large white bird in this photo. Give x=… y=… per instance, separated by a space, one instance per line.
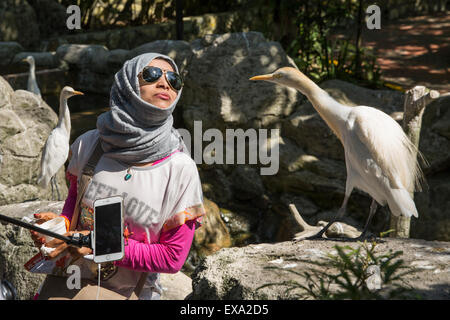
x=32 y=85
x=56 y=149
x=379 y=157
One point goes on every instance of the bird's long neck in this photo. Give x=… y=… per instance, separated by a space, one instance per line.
x=331 y=111
x=32 y=75
x=64 y=115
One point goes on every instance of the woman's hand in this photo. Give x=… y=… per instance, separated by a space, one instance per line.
x=60 y=246
x=42 y=217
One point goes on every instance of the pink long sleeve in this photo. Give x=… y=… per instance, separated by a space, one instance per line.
x=69 y=205
x=167 y=256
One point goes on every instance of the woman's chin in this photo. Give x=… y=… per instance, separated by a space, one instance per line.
x=159 y=103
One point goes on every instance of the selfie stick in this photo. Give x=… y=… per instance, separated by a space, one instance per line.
x=82 y=241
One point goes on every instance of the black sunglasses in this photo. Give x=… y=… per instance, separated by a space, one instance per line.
x=152 y=74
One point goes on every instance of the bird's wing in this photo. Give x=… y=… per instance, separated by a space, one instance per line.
x=54 y=155
x=387 y=144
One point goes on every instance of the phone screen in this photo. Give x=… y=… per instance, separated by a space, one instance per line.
x=108 y=235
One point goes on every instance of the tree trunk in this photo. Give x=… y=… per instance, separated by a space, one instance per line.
x=416 y=99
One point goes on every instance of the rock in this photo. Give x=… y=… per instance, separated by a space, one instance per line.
x=25 y=123
x=43 y=60
x=306 y=128
x=240 y=273
x=340 y=230
x=215 y=183
x=175 y=286
x=16 y=247
x=116 y=58
x=214 y=234
x=7 y=52
x=432 y=205
x=308 y=207
x=230 y=100
x=240 y=225
x=52 y=17
x=18 y=22
x=247 y=184
x=88 y=64
x=443 y=126
x=5 y=93
x=435 y=138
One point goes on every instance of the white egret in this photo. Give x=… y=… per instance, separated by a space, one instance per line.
x=379 y=157
x=32 y=82
x=56 y=149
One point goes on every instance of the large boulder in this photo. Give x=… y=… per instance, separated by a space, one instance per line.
x=43 y=60
x=267 y=271
x=218 y=90
x=16 y=247
x=25 y=123
x=52 y=17
x=8 y=51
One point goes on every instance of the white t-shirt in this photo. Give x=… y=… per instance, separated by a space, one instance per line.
x=151 y=196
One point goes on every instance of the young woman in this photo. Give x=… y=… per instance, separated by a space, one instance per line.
x=145 y=161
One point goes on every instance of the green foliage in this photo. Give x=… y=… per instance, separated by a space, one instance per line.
x=97 y=14
x=324 y=48
x=344 y=275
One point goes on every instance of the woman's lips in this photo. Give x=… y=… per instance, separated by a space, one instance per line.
x=163 y=96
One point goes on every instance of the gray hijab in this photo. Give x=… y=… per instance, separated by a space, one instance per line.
x=133 y=130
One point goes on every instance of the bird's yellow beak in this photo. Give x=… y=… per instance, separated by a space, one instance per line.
x=262 y=77
x=78 y=93
x=24 y=60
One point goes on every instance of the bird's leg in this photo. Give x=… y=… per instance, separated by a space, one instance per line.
x=51 y=183
x=56 y=187
x=373 y=209
x=338 y=216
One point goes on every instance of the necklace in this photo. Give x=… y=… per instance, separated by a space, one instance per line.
x=128 y=174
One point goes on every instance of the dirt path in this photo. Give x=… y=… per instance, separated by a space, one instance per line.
x=413 y=51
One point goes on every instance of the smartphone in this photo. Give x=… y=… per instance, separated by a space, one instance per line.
x=108 y=229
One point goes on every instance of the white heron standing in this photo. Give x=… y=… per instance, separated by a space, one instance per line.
x=379 y=157
x=32 y=85
x=56 y=149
